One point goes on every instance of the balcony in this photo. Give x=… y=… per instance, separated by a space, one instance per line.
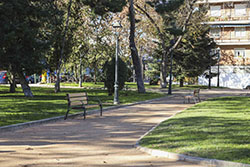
x=230 y=19
x=219 y=1
x=224 y=40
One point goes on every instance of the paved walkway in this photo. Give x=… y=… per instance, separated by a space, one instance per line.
x=97 y=141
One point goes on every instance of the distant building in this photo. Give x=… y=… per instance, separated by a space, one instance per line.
x=230 y=27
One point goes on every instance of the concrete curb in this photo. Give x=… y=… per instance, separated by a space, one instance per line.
x=181 y=157
x=54 y=119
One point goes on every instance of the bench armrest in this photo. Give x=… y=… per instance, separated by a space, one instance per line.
x=94 y=98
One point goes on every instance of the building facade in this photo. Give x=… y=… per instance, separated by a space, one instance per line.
x=230 y=27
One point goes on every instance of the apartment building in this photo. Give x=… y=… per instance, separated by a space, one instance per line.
x=230 y=27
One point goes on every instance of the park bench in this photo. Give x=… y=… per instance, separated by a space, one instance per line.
x=195 y=94
x=81 y=101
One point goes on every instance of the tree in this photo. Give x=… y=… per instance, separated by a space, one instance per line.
x=134 y=51
x=101 y=7
x=154 y=66
x=59 y=64
x=168 y=12
x=24 y=37
x=193 y=56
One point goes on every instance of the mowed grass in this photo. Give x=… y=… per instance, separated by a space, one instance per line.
x=15 y=108
x=130 y=85
x=133 y=85
x=216 y=129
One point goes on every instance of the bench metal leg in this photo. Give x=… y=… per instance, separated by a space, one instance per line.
x=194 y=100
x=84 y=114
x=66 y=115
x=100 y=110
x=199 y=98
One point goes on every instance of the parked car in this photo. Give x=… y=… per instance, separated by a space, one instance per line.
x=31 y=79
x=3 y=77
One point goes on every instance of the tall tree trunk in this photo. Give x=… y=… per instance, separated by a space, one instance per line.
x=75 y=75
x=182 y=82
x=25 y=86
x=95 y=75
x=80 y=72
x=164 y=59
x=12 y=81
x=134 y=51
x=58 y=71
x=164 y=67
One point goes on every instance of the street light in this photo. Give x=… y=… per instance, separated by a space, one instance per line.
x=116 y=25
x=218 y=77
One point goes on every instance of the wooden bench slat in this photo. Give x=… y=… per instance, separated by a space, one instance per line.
x=78 y=99
x=77 y=95
x=86 y=106
x=76 y=103
x=92 y=105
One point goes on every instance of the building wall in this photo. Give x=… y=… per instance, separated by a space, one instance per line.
x=229 y=33
x=228 y=55
x=230 y=76
x=234 y=50
x=228 y=12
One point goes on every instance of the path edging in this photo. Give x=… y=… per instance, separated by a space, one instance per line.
x=181 y=157
x=57 y=118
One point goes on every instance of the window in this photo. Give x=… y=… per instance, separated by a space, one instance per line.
x=240 y=9
x=240 y=31
x=215 y=32
x=215 y=10
x=240 y=52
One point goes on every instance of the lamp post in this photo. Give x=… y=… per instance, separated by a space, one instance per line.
x=218 y=77
x=116 y=26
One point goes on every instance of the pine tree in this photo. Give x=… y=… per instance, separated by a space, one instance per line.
x=24 y=37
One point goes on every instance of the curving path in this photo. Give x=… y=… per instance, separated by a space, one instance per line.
x=97 y=141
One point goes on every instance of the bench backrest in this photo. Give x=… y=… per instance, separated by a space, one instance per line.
x=77 y=98
x=197 y=92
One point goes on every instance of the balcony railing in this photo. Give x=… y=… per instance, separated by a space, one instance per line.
x=230 y=18
x=238 y=40
x=219 y=1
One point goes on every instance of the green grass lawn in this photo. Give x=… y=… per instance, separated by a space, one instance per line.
x=15 y=108
x=84 y=84
x=133 y=85
x=217 y=129
x=130 y=85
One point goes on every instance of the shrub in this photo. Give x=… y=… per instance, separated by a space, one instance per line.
x=109 y=74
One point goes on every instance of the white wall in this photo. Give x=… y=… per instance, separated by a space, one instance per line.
x=230 y=76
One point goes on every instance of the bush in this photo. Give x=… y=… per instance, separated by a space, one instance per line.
x=154 y=81
x=109 y=74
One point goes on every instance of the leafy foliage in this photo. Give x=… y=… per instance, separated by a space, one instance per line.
x=165 y=6
x=23 y=34
x=101 y=7
x=109 y=74
x=193 y=56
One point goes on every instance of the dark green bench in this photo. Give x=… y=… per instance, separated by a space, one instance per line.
x=81 y=101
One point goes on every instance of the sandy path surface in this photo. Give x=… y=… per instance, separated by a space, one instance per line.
x=94 y=142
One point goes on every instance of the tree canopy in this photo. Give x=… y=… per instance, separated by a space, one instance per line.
x=68 y=35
